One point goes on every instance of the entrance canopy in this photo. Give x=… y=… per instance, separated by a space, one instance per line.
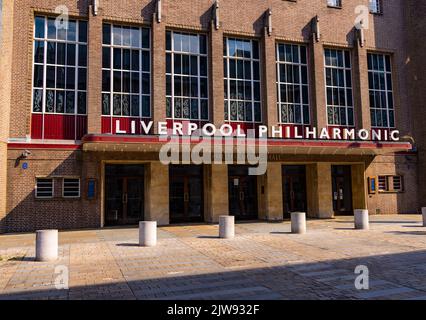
x=152 y=143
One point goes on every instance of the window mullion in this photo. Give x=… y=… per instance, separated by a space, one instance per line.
x=345 y=90
x=141 y=51
x=252 y=84
x=199 y=87
x=299 y=69
x=111 y=83
x=172 y=73
x=386 y=91
x=228 y=77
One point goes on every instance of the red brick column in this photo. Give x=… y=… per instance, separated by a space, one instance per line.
x=217 y=110
x=158 y=72
x=6 y=39
x=318 y=105
x=270 y=111
x=94 y=77
x=361 y=94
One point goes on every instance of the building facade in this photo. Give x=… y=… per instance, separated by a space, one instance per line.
x=78 y=78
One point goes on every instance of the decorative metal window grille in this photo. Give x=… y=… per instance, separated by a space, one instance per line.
x=381 y=91
x=126 y=71
x=338 y=73
x=60 y=67
x=186 y=76
x=242 y=81
x=292 y=84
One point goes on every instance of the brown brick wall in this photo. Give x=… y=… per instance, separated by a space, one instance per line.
x=416 y=77
x=291 y=21
x=26 y=213
x=394 y=203
x=6 y=39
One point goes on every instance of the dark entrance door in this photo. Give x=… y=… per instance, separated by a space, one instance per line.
x=242 y=193
x=186 y=194
x=294 y=184
x=342 y=190
x=124 y=194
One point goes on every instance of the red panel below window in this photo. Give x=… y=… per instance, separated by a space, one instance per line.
x=58 y=127
x=81 y=127
x=37 y=126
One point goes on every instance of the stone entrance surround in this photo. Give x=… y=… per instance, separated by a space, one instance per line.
x=264 y=261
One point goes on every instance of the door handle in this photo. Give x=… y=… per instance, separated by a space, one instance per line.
x=242 y=196
x=186 y=197
x=125 y=199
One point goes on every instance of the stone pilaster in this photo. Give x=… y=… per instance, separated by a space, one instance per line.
x=359 y=190
x=219 y=197
x=319 y=190
x=157 y=193
x=274 y=192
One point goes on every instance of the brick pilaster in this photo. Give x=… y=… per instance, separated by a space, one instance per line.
x=270 y=110
x=217 y=110
x=159 y=72
x=94 y=77
x=361 y=96
x=6 y=53
x=318 y=105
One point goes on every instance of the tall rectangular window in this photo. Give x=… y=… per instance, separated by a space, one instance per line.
x=60 y=67
x=338 y=73
x=381 y=91
x=242 y=80
x=126 y=71
x=292 y=84
x=186 y=76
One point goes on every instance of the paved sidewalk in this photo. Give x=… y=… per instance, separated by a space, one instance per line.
x=264 y=261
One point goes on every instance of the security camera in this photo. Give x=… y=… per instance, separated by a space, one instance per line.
x=26 y=154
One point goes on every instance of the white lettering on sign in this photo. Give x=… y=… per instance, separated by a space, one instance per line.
x=187 y=128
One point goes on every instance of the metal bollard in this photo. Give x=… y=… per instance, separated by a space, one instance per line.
x=362 y=219
x=298 y=222
x=226 y=227
x=148 y=233
x=46 y=245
